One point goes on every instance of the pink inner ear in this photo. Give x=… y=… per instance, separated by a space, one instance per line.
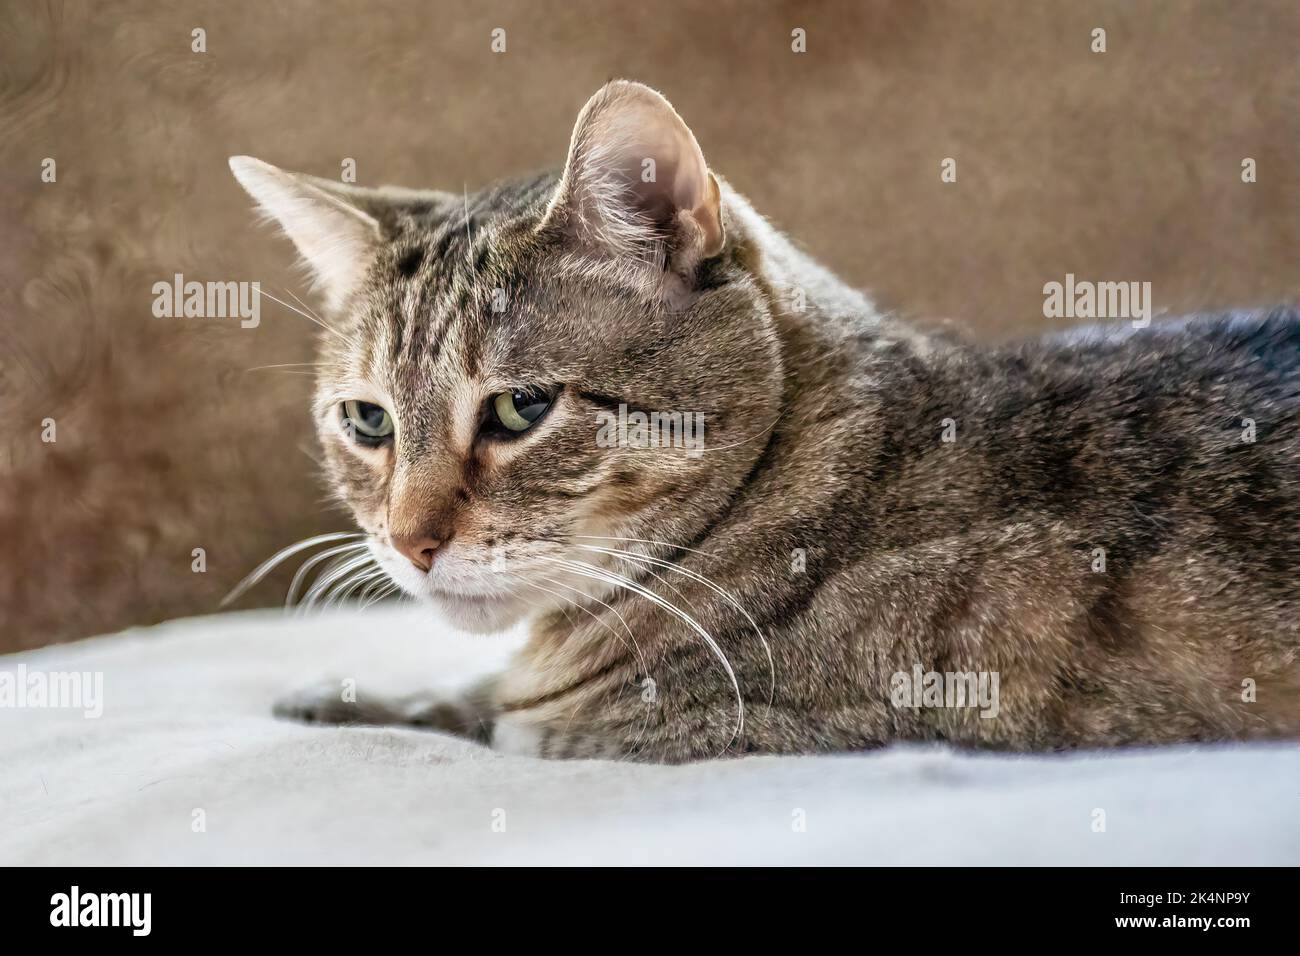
x=606 y=199
x=634 y=130
x=657 y=200
x=681 y=174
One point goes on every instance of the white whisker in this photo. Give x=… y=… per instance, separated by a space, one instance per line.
x=665 y=544
x=701 y=579
x=634 y=747
x=265 y=568
x=378 y=584
x=634 y=648
x=290 y=596
x=337 y=573
x=382 y=594
x=364 y=582
x=285 y=365
x=333 y=593
x=303 y=304
x=612 y=577
x=309 y=318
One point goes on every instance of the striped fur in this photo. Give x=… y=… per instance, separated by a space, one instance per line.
x=828 y=538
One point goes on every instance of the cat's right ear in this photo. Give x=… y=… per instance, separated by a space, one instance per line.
x=637 y=191
x=336 y=238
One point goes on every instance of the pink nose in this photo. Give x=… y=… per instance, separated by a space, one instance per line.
x=419 y=550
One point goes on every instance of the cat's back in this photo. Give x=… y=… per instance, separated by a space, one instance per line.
x=1176 y=443
x=1235 y=374
x=1181 y=439
x=1210 y=400
x=1149 y=483
x=1255 y=351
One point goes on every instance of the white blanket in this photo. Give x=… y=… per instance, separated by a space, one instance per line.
x=186 y=765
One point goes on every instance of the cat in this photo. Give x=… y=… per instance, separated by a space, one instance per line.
x=1087 y=540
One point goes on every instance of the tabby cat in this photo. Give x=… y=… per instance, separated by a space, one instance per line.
x=865 y=535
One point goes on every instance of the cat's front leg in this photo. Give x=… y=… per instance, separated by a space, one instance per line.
x=640 y=732
x=657 y=734
x=520 y=736
x=467 y=714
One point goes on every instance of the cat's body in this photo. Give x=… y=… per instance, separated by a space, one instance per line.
x=1104 y=529
x=862 y=545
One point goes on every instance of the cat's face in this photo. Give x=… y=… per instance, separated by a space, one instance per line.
x=479 y=396
x=478 y=455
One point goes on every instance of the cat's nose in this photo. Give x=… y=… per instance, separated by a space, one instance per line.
x=418 y=549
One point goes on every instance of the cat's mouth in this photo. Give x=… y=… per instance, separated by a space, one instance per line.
x=487 y=609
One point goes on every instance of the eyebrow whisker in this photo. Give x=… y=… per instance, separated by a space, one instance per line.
x=309 y=318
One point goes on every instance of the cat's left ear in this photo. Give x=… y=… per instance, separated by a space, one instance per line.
x=636 y=186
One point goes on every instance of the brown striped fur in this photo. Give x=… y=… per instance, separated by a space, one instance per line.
x=851 y=541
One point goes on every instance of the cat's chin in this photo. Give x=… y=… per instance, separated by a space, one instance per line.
x=477 y=615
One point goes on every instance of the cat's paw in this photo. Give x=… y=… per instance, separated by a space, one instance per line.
x=332 y=702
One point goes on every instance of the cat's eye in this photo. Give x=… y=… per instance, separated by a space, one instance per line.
x=368 y=424
x=520 y=409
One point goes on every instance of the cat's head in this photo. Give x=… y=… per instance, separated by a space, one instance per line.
x=490 y=356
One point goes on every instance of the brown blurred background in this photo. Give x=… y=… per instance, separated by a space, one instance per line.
x=1124 y=166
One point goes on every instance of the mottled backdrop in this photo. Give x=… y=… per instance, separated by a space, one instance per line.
x=1124 y=166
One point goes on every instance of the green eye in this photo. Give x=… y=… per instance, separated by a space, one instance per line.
x=519 y=410
x=368 y=423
